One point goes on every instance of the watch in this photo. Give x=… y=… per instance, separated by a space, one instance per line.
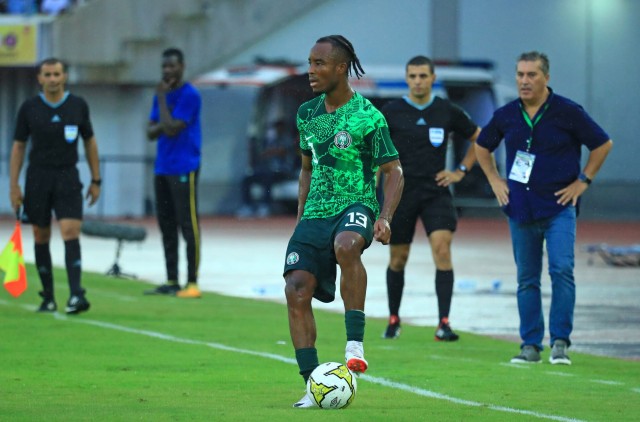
x=583 y=178
x=463 y=168
x=96 y=182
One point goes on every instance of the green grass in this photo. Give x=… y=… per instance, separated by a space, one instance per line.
x=112 y=364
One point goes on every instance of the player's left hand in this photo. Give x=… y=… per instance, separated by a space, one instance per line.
x=93 y=193
x=382 y=231
x=446 y=177
x=571 y=193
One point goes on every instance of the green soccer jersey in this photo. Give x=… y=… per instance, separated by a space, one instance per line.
x=346 y=148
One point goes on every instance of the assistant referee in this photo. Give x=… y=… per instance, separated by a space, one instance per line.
x=53 y=121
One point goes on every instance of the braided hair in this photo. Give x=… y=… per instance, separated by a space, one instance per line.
x=349 y=53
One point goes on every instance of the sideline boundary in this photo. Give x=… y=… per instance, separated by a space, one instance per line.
x=375 y=380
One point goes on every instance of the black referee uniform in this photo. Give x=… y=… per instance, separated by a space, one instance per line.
x=421 y=135
x=53 y=184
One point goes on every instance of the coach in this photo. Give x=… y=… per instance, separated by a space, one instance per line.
x=543 y=133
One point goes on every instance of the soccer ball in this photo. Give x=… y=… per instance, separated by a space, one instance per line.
x=332 y=386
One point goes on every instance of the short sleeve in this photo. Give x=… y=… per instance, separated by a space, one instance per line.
x=187 y=107
x=86 y=129
x=22 y=131
x=490 y=136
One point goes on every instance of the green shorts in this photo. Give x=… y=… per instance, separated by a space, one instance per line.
x=311 y=246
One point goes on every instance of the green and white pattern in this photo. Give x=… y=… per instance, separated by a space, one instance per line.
x=346 y=146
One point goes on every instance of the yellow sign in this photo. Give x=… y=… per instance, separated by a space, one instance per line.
x=18 y=45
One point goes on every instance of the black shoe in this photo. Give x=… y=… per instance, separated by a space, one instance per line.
x=165 y=289
x=444 y=332
x=393 y=329
x=77 y=303
x=48 y=304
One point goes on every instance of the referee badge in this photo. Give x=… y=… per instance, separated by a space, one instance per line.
x=70 y=133
x=436 y=136
x=342 y=139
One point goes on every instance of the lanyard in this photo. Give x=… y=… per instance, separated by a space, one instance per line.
x=532 y=124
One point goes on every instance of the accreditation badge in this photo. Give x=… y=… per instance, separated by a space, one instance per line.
x=70 y=133
x=436 y=136
x=522 y=166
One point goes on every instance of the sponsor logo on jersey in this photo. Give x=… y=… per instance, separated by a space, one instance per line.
x=436 y=136
x=421 y=122
x=342 y=139
x=55 y=119
x=293 y=258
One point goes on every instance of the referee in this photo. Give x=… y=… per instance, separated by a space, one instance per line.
x=420 y=124
x=53 y=121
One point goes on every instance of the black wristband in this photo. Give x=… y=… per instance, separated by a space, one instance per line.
x=583 y=178
x=96 y=182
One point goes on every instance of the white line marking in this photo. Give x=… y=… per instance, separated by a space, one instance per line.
x=169 y=337
x=375 y=380
x=431 y=394
x=607 y=382
x=526 y=366
x=560 y=374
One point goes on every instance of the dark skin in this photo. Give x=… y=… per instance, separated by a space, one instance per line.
x=328 y=73
x=172 y=72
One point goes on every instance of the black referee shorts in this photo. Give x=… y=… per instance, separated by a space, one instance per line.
x=433 y=207
x=52 y=189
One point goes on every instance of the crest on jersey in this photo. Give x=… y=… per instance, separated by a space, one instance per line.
x=70 y=133
x=293 y=258
x=436 y=136
x=342 y=139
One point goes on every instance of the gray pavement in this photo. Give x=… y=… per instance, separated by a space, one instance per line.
x=245 y=259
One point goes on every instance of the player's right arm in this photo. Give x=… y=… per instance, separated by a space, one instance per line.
x=393 y=186
x=304 y=183
x=166 y=124
x=15 y=166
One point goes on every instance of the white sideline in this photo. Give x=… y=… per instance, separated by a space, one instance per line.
x=372 y=379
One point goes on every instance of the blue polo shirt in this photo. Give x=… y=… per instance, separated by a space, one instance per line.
x=179 y=154
x=557 y=141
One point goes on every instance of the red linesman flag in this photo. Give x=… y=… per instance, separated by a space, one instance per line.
x=12 y=264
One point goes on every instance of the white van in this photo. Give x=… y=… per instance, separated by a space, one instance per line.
x=240 y=104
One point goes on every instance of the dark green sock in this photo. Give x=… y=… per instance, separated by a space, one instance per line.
x=354 y=322
x=307 y=361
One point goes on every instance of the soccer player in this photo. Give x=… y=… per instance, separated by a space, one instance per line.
x=420 y=124
x=175 y=123
x=53 y=121
x=344 y=139
x=543 y=134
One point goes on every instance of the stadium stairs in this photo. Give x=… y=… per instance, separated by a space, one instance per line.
x=118 y=41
